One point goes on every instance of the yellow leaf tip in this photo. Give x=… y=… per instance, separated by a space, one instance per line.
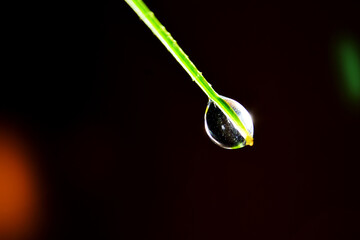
x=249 y=141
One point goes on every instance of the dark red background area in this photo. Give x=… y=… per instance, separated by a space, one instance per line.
x=119 y=124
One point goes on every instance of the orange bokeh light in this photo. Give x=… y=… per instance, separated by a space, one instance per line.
x=19 y=196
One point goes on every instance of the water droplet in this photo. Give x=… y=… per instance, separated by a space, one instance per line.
x=220 y=128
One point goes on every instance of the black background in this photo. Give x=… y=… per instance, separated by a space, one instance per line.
x=119 y=124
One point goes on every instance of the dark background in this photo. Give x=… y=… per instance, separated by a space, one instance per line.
x=119 y=124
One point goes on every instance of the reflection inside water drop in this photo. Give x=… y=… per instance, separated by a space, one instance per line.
x=220 y=128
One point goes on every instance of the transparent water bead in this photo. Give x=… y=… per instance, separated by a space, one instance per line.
x=220 y=128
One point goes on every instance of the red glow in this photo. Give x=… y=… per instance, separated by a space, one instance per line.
x=18 y=188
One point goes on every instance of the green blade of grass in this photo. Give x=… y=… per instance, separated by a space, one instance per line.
x=168 y=41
